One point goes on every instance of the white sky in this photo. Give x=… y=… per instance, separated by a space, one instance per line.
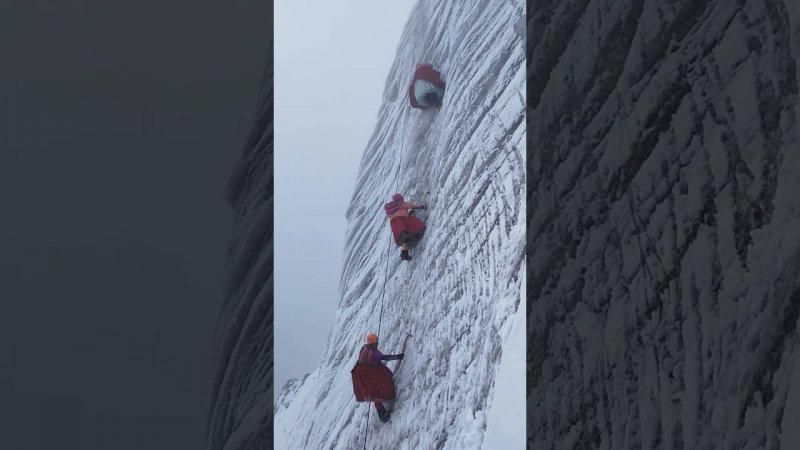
x=331 y=63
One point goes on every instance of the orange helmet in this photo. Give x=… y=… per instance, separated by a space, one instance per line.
x=372 y=338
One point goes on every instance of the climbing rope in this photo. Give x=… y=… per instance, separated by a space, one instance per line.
x=397 y=183
x=386 y=268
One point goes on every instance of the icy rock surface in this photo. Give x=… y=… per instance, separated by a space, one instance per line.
x=243 y=375
x=664 y=223
x=462 y=295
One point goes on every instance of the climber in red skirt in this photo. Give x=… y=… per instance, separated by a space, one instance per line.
x=406 y=228
x=372 y=380
x=427 y=88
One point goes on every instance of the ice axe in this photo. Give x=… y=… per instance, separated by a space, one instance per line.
x=403 y=350
x=408 y=335
x=424 y=199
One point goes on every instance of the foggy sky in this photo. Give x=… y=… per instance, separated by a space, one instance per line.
x=331 y=63
x=119 y=127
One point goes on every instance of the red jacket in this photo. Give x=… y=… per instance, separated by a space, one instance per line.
x=424 y=72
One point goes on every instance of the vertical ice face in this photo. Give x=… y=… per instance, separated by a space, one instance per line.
x=461 y=296
x=243 y=374
x=664 y=230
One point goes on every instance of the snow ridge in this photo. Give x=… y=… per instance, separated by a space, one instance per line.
x=663 y=234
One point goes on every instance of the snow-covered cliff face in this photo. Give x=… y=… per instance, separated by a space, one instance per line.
x=243 y=375
x=663 y=231
x=462 y=295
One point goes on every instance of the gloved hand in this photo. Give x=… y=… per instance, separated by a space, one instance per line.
x=401 y=355
x=421 y=207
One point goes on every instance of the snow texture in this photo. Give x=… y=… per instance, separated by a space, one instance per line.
x=242 y=382
x=461 y=297
x=663 y=235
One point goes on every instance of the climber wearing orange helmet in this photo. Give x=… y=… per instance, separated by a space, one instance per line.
x=370 y=354
x=372 y=380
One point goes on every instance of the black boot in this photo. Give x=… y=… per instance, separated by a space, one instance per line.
x=383 y=414
x=404 y=255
